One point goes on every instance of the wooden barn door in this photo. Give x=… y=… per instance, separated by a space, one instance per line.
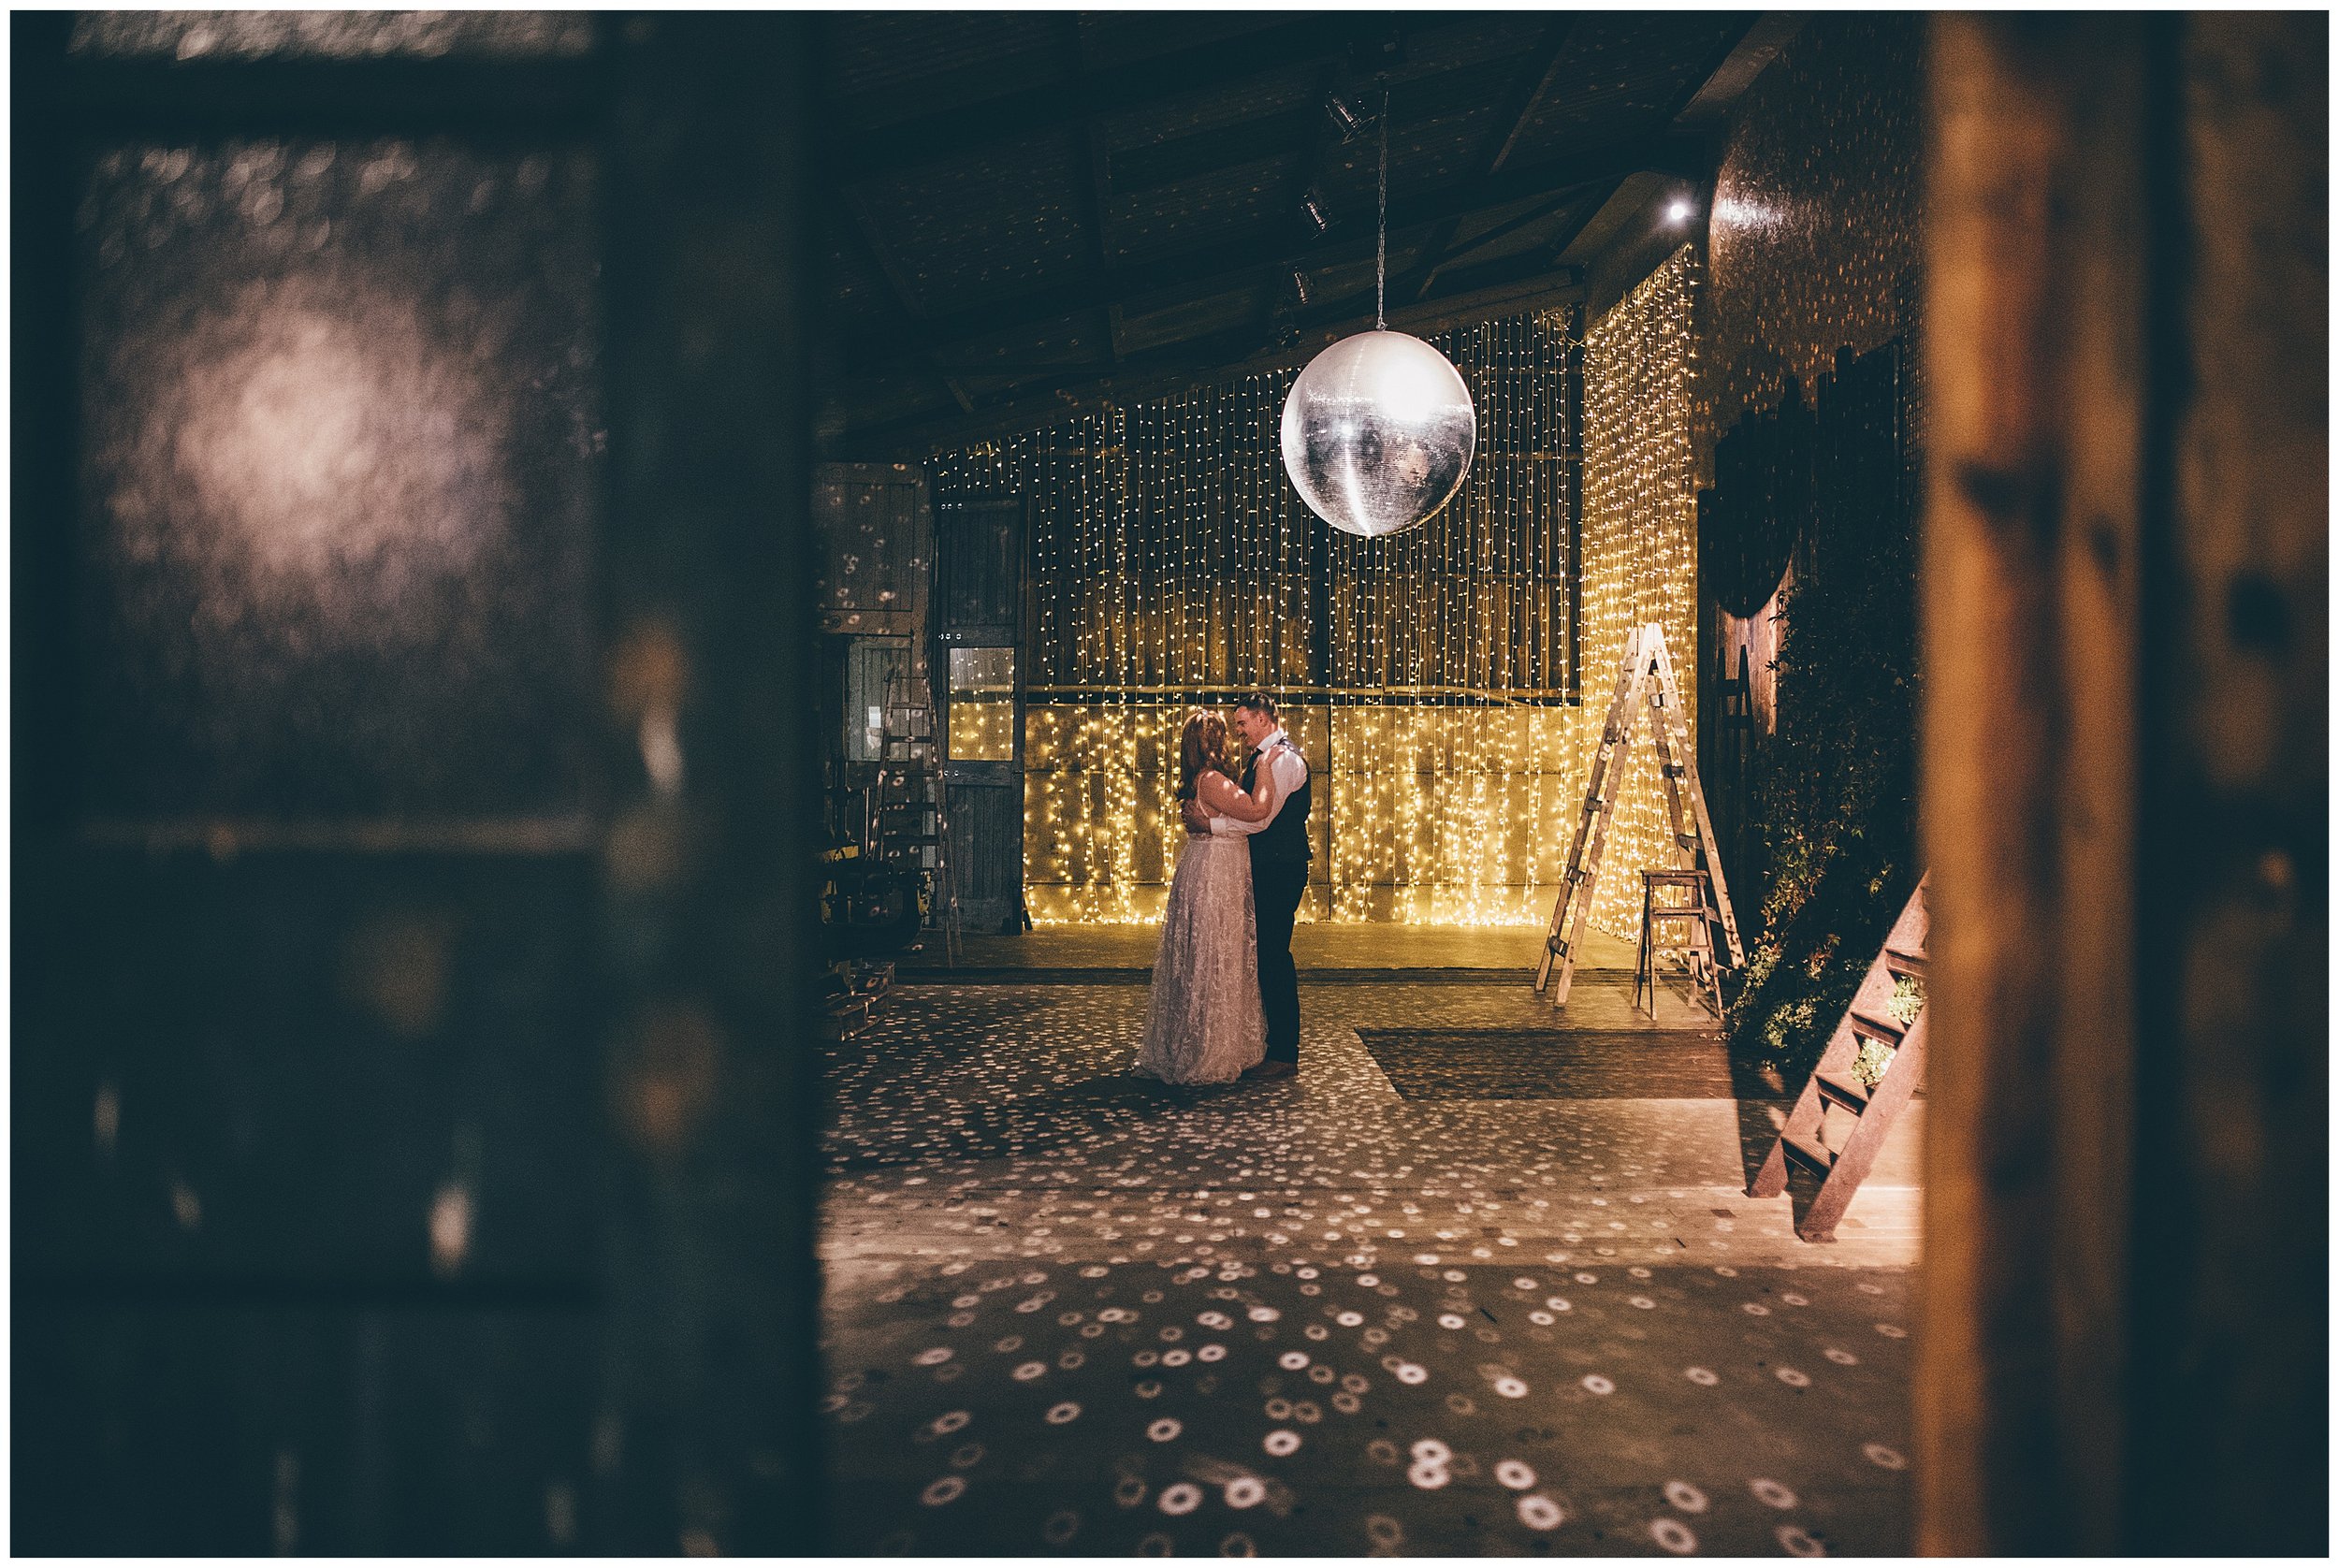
x=394 y=1096
x=980 y=661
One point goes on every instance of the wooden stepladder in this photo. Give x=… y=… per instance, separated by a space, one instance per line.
x=1873 y=1063
x=1645 y=674
x=911 y=805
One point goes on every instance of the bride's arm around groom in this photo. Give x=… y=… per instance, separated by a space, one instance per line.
x=1229 y=803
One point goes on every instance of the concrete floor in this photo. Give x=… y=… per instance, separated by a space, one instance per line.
x=1074 y=1312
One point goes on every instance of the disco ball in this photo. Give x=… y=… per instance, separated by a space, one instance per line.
x=1378 y=433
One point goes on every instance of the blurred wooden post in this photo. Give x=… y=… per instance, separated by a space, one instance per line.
x=2067 y=1081
x=2229 y=1429
x=707 y=1441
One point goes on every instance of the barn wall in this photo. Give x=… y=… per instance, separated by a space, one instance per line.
x=1809 y=448
x=1811 y=249
x=1430 y=806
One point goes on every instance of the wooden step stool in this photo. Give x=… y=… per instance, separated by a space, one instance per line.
x=1698 y=912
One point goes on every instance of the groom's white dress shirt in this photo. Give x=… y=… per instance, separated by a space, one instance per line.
x=1287 y=767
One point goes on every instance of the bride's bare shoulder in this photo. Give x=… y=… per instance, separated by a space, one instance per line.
x=1215 y=789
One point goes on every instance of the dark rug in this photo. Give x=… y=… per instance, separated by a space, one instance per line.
x=1562 y=1064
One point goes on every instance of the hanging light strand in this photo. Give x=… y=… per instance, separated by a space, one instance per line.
x=1380 y=263
x=1454 y=766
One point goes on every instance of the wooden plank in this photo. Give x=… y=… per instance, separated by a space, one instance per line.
x=1853 y=1162
x=1675 y=747
x=1219 y=264
x=1804 y=1122
x=2034 y=323
x=2229 y=1285
x=1574 y=882
x=1576 y=887
x=879 y=150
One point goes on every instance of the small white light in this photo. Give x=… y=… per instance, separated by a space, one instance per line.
x=1680 y=211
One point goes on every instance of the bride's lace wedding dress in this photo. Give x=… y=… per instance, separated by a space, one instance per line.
x=1204 y=1023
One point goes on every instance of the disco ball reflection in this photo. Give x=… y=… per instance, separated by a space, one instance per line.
x=1378 y=433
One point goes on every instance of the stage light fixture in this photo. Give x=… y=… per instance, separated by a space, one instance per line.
x=1313 y=205
x=1346 y=120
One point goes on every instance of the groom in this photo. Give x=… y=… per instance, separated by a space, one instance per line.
x=1279 y=871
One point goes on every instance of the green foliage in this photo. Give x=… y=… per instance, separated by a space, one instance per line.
x=1836 y=798
x=1907 y=999
x=1870 y=1065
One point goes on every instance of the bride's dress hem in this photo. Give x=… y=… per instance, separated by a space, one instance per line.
x=1203 y=1021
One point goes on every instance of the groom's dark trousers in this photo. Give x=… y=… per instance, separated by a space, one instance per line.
x=1279 y=878
x=1276 y=888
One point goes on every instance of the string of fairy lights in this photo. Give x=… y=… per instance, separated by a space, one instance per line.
x=1640 y=538
x=1430 y=677
x=1463 y=623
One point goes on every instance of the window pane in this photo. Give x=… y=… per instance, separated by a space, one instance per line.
x=877 y=674
x=983 y=705
x=340 y=418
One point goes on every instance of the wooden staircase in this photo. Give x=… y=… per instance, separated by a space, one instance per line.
x=1873 y=1063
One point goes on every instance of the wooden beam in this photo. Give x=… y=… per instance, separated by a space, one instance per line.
x=1415 y=282
x=1273 y=307
x=1092 y=187
x=1223 y=267
x=858 y=224
x=1518 y=111
x=2228 y=1291
x=2035 y=315
x=1294 y=130
x=1761 y=43
x=1156 y=79
x=1158 y=377
x=1511 y=120
x=1281 y=134
x=2126 y=1345
x=1725 y=76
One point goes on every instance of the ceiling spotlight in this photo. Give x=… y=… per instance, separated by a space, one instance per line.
x=1300 y=284
x=1681 y=210
x=1346 y=120
x=1313 y=205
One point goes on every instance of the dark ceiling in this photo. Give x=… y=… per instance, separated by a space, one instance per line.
x=1031 y=212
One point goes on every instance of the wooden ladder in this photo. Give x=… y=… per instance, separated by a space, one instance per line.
x=1874 y=1093
x=1645 y=673
x=919 y=822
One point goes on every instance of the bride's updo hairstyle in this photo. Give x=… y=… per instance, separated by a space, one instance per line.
x=1203 y=745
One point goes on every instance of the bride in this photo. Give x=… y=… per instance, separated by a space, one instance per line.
x=1204 y=1023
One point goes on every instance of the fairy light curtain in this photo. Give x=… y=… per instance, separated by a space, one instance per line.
x=1464 y=625
x=1640 y=538
x=1430 y=677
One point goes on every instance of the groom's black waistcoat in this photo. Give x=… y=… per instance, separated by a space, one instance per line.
x=1285 y=838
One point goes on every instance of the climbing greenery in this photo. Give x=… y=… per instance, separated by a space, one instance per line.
x=1836 y=794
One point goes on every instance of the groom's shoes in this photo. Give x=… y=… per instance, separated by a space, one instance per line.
x=1272 y=1069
